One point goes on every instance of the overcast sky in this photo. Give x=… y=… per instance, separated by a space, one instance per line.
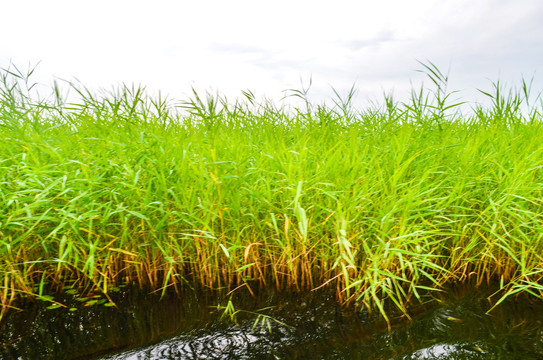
x=270 y=46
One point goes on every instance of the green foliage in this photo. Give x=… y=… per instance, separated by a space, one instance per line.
x=384 y=204
x=262 y=321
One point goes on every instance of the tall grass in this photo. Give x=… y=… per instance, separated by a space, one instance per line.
x=384 y=204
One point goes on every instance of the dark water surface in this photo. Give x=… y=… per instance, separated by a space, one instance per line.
x=298 y=326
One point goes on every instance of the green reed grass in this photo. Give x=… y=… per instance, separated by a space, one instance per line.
x=384 y=204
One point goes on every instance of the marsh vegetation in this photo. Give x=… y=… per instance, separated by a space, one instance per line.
x=383 y=205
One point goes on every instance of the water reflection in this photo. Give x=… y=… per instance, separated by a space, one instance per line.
x=308 y=326
x=38 y=333
x=458 y=329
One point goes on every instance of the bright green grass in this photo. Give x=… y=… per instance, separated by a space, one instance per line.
x=382 y=204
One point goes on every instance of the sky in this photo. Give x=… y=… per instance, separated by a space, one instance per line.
x=268 y=47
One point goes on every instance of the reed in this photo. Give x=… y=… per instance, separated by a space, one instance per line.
x=384 y=204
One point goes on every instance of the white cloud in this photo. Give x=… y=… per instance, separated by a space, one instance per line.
x=269 y=46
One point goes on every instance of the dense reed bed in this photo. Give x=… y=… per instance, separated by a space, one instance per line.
x=384 y=204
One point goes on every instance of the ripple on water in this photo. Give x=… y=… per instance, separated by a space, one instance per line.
x=308 y=326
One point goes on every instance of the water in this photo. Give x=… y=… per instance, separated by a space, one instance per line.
x=299 y=326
